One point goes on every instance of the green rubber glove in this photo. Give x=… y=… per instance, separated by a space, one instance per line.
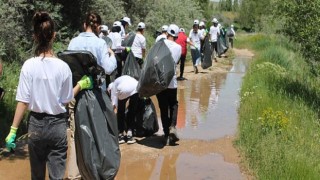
x=86 y=82
x=128 y=49
x=11 y=137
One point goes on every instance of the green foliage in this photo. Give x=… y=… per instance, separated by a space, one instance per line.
x=168 y=12
x=279 y=111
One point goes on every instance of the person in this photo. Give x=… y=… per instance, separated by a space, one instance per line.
x=104 y=35
x=214 y=33
x=231 y=34
x=45 y=87
x=163 y=34
x=116 y=45
x=122 y=90
x=182 y=40
x=195 y=41
x=90 y=41
x=203 y=31
x=138 y=47
x=167 y=98
x=125 y=23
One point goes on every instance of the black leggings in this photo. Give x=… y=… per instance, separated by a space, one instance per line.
x=182 y=62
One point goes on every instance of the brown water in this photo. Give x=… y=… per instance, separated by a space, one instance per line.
x=207 y=124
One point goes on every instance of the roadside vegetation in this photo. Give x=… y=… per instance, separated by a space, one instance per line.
x=279 y=133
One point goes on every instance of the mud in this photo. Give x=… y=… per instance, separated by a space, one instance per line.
x=207 y=125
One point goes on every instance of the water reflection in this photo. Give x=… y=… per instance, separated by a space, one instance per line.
x=211 y=108
x=181 y=166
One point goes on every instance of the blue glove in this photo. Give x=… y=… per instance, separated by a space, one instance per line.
x=11 y=137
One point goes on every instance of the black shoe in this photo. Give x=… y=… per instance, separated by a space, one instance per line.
x=173 y=136
x=121 y=139
x=130 y=140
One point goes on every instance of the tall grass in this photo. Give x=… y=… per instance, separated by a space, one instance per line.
x=279 y=131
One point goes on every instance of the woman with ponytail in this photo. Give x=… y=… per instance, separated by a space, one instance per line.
x=45 y=87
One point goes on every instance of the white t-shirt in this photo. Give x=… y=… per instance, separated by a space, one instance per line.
x=214 y=32
x=116 y=40
x=195 y=38
x=203 y=32
x=46 y=84
x=161 y=36
x=122 y=88
x=175 y=50
x=138 y=44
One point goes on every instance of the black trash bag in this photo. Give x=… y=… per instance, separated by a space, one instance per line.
x=108 y=41
x=221 y=47
x=157 y=71
x=127 y=42
x=146 y=121
x=230 y=33
x=131 y=67
x=82 y=62
x=206 y=60
x=96 y=136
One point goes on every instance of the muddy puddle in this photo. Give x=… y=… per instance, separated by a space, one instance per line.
x=207 y=124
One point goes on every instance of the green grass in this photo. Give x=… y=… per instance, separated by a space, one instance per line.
x=279 y=133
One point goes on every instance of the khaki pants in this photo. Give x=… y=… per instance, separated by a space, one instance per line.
x=72 y=171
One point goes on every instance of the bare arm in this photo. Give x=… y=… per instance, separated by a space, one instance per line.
x=20 y=109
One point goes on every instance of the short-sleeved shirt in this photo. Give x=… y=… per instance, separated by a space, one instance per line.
x=45 y=84
x=122 y=88
x=161 y=36
x=195 y=38
x=138 y=44
x=175 y=50
x=116 y=40
x=98 y=47
x=214 y=32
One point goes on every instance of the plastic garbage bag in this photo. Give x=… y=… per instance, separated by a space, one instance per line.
x=157 y=72
x=206 y=60
x=131 y=67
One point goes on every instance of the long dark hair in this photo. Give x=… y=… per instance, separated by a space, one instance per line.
x=43 y=32
x=93 y=20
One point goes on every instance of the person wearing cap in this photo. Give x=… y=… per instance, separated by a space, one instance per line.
x=182 y=40
x=139 y=44
x=195 y=42
x=103 y=31
x=214 y=33
x=116 y=39
x=122 y=90
x=164 y=34
x=203 y=31
x=231 y=35
x=125 y=23
x=167 y=98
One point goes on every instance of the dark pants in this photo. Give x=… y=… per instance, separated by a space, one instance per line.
x=126 y=123
x=47 y=144
x=182 y=62
x=168 y=105
x=214 y=46
x=195 y=54
x=119 y=65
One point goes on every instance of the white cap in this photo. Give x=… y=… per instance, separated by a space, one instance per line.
x=141 y=25
x=164 y=28
x=196 y=21
x=182 y=30
x=201 y=23
x=126 y=19
x=104 y=28
x=173 y=30
x=215 y=20
x=117 y=23
x=232 y=25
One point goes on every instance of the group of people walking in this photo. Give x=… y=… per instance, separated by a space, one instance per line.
x=45 y=86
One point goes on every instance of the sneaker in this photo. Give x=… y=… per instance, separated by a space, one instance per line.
x=130 y=140
x=166 y=140
x=173 y=136
x=121 y=139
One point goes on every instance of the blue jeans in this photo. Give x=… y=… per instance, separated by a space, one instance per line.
x=47 y=144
